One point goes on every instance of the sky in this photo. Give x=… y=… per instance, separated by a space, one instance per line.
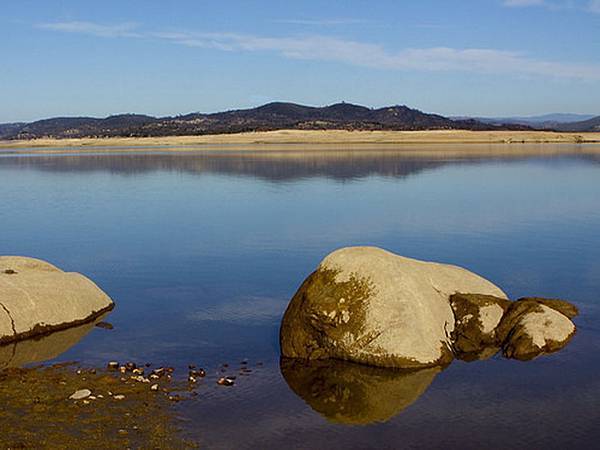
x=158 y=57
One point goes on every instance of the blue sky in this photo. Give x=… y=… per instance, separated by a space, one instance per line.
x=471 y=57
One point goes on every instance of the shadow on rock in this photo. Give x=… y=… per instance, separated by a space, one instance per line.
x=355 y=394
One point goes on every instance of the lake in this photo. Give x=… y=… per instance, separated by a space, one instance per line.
x=202 y=250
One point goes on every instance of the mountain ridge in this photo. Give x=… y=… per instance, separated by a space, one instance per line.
x=268 y=117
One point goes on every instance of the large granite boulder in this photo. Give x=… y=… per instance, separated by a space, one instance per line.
x=370 y=306
x=37 y=298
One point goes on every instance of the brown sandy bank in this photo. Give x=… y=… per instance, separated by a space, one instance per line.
x=266 y=140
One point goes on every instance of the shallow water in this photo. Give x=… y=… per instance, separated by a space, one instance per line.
x=202 y=251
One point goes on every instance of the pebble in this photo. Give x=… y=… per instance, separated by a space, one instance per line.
x=81 y=394
x=119 y=397
x=225 y=381
x=10 y=272
x=197 y=373
x=154 y=387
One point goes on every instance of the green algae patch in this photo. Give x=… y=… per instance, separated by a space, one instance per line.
x=38 y=410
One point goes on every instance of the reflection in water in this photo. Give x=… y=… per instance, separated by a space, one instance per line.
x=47 y=347
x=355 y=394
x=279 y=165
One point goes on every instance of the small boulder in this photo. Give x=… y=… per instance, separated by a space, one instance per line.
x=37 y=298
x=532 y=327
x=476 y=318
x=370 y=306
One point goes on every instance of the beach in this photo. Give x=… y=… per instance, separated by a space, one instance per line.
x=290 y=138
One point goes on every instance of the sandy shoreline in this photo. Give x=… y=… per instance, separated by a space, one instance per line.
x=291 y=138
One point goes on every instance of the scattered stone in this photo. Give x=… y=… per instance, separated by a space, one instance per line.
x=10 y=272
x=154 y=387
x=197 y=373
x=81 y=394
x=113 y=365
x=119 y=397
x=226 y=381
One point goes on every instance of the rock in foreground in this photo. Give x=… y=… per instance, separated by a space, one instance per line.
x=37 y=298
x=370 y=306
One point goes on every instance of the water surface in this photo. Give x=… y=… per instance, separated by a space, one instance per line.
x=202 y=250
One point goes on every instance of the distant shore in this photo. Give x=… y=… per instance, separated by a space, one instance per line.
x=266 y=139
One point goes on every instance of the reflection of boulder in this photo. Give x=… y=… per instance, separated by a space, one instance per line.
x=42 y=349
x=355 y=394
x=37 y=298
x=370 y=306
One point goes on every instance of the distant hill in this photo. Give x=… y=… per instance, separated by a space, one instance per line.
x=556 y=121
x=8 y=129
x=273 y=116
x=592 y=124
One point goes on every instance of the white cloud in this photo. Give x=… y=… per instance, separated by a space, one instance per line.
x=522 y=3
x=94 y=29
x=594 y=6
x=557 y=5
x=332 y=49
x=322 y=22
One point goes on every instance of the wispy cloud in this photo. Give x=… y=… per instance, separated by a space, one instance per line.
x=94 y=29
x=523 y=3
x=356 y=53
x=580 y=5
x=594 y=6
x=322 y=22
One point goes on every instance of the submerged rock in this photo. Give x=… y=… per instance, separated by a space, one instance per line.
x=37 y=298
x=355 y=394
x=370 y=306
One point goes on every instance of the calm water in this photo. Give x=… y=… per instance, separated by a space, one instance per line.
x=201 y=253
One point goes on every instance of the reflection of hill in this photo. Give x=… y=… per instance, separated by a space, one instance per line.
x=354 y=394
x=270 y=165
x=47 y=347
